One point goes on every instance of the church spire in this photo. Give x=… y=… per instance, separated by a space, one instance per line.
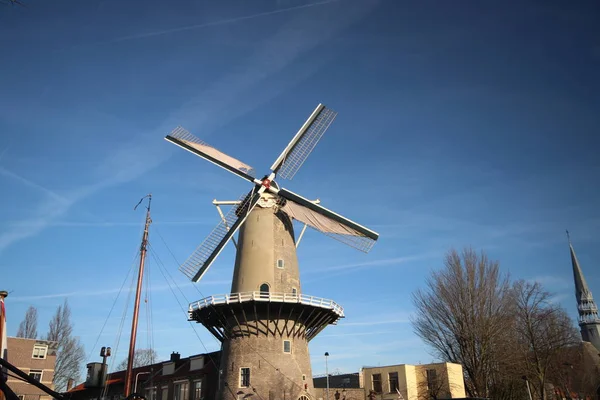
x=582 y=291
x=589 y=323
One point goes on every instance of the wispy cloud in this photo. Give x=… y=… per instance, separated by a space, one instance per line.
x=216 y=23
x=30 y=184
x=327 y=272
x=357 y=334
x=94 y=293
x=211 y=108
x=74 y=224
x=379 y=321
x=380 y=262
x=236 y=93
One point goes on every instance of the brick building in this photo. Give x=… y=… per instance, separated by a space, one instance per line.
x=191 y=378
x=35 y=357
x=414 y=382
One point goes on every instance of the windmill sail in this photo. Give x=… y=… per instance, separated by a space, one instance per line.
x=301 y=145
x=191 y=143
x=199 y=262
x=328 y=222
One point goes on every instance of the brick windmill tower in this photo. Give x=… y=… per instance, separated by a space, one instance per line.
x=266 y=322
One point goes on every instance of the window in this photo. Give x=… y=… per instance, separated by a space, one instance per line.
x=197 y=390
x=294 y=291
x=280 y=263
x=36 y=374
x=164 y=393
x=393 y=378
x=180 y=391
x=264 y=290
x=303 y=377
x=39 y=351
x=287 y=346
x=244 y=377
x=377 y=383
x=151 y=393
x=431 y=379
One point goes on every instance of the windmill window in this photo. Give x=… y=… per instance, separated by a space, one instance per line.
x=280 y=263
x=294 y=291
x=287 y=346
x=264 y=290
x=244 y=377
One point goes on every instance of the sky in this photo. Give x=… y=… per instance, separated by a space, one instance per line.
x=460 y=124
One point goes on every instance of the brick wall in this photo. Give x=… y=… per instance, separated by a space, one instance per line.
x=351 y=394
x=20 y=354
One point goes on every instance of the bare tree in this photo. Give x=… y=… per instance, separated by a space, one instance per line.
x=28 y=327
x=544 y=330
x=141 y=357
x=70 y=354
x=464 y=316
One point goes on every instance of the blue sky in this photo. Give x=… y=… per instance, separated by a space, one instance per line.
x=460 y=124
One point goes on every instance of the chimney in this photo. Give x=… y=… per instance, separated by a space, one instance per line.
x=175 y=356
x=70 y=384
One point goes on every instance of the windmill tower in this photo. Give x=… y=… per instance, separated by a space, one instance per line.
x=266 y=322
x=589 y=323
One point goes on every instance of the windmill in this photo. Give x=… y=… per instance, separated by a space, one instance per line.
x=265 y=323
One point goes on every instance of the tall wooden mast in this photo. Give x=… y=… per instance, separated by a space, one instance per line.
x=136 y=307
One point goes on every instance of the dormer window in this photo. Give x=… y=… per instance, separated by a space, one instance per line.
x=39 y=351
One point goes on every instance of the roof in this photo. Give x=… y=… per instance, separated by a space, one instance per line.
x=181 y=370
x=581 y=288
x=81 y=386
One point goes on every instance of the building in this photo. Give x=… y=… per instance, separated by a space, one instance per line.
x=35 y=357
x=266 y=322
x=413 y=382
x=589 y=323
x=191 y=378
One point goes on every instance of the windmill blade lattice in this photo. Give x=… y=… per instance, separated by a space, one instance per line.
x=198 y=263
x=182 y=138
x=305 y=143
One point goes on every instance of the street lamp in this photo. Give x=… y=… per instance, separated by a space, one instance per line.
x=136 y=380
x=327 y=374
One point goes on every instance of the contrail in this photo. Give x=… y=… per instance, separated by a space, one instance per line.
x=221 y=22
